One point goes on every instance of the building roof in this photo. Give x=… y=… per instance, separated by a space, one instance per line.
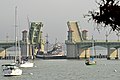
x=85 y=31
x=24 y=31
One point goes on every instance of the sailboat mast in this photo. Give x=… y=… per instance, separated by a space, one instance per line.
x=15 y=33
x=93 y=47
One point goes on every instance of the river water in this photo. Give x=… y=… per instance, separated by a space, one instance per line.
x=63 y=69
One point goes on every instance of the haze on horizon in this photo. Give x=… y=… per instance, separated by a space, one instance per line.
x=53 y=13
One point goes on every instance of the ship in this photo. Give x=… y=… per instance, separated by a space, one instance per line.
x=55 y=53
x=60 y=55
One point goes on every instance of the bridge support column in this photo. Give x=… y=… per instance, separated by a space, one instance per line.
x=108 y=53
x=5 y=52
x=117 y=54
x=84 y=53
x=31 y=52
x=25 y=50
x=112 y=53
x=2 y=54
x=72 y=51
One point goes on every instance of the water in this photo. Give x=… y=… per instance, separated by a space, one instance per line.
x=68 y=70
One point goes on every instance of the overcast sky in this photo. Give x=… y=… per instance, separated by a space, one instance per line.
x=53 y=13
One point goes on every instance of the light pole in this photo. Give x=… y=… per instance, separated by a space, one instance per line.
x=106 y=37
x=7 y=37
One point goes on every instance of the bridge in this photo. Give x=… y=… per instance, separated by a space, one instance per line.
x=30 y=42
x=4 y=45
x=78 y=46
x=7 y=44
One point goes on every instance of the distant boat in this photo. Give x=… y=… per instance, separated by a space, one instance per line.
x=91 y=61
x=11 y=70
x=55 y=53
x=26 y=64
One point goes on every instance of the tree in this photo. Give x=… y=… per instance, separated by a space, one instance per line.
x=107 y=15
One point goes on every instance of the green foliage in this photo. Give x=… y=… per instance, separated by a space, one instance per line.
x=107 y=15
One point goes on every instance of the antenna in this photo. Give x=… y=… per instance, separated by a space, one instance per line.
x=28 y=22
x=47 y=42
x=28 y=27
x=55 y=40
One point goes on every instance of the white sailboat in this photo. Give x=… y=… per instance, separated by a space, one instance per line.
x=11 y=69
x=24 y=63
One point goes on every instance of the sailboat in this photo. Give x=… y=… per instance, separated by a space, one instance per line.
x=11 y=69
x=91 y=61
x=23 y=62
x=26 y=64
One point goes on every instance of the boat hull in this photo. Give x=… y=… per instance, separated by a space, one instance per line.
x=26 y=64
x=51 y=56
x=13 y=72
x=90 y=63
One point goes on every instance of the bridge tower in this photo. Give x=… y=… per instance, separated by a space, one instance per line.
x=25 y=44
x=78 y=46
x=35 y=38
x=74 y=36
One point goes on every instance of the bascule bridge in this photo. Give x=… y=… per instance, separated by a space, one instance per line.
x=78 y=46
x=33 y=42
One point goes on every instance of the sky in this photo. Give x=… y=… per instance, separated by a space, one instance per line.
x=53 y=13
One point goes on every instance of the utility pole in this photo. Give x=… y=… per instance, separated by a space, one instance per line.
x=106 y=37
x=7 y=37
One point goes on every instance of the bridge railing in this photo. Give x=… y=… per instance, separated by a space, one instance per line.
x=9 y=41
x=101 y=41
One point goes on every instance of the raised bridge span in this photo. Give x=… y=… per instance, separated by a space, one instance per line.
x=30 y=42
x=78 y=46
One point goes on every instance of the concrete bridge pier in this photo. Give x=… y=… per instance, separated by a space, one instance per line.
x=72 y=51
x=31 y=51
x=24 y=50
x=84 y=53
x=108 y=53
x=3 y=53
x=112 y=53
x=117 y=54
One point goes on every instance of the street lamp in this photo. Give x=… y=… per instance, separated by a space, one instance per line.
x=7 y=37
x=106 y=37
